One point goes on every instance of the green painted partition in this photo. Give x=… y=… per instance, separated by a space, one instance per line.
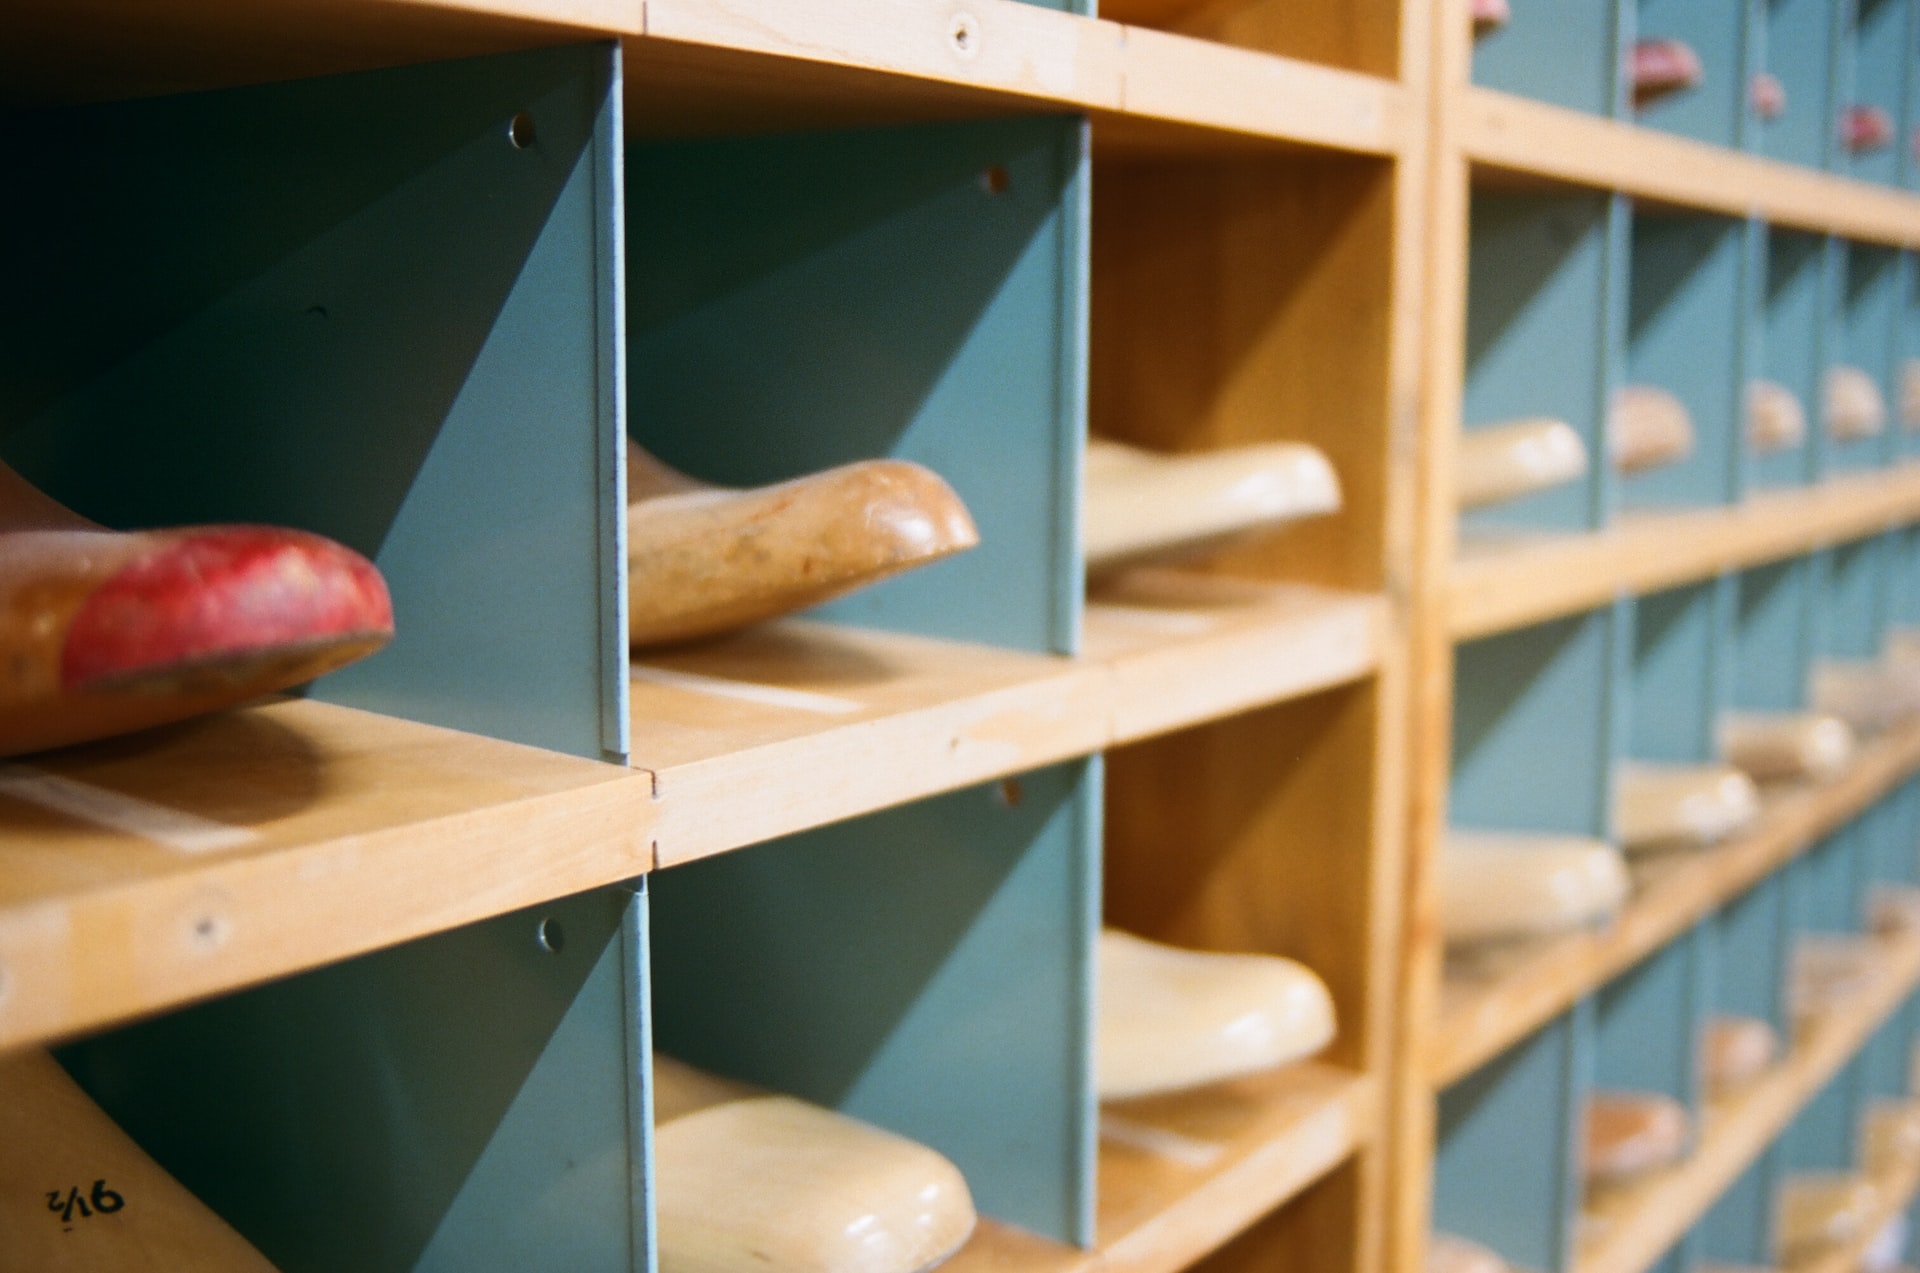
x=1773 y=634
x=808 y=299
x=382 y=307
x=1792 y=346
x=1681 y=672
x=1806 y=49
x=1562 y=51
x=1870 y=322
x=1718 y=31
x=1647 y=1023
x=1883 y=56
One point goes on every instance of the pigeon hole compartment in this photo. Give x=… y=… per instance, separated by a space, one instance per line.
x=1867 y=335
x=1681 y=672
x=1545 y=336
x=1356 y=35
x=1720 y=33
x=1805 y=50
x=1850 y=618
x=1881 y=40
x=1647 y=1026
x=1738 y=1228
x=1229 y=836
x=1795 y=333
x=1245 y=298
x=1534 y=726
x=1827 y=892
x=234 y=289
x=1748 y=942
x=1508 y=1145
x=1773 y=636
x=1688 y=291
x=1566 y=52
x=1903 y=407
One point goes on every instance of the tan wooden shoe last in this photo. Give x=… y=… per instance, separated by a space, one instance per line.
x=1502 y=462
x=1171 y=1019
x=1647 y=427
x=1852 y=404
x=1734 y=1051
x=703 y=559
x=1449 y=1254
x=1631 y=1133
x=748 y=1181
x=1661 y=807
x=78 y=1196
x=1498 y=885
x=1141 y=506
x=1786 y=746
x=1890 y=1135
x=1868 y=694
x=1822 y=1209
x=1775 y=419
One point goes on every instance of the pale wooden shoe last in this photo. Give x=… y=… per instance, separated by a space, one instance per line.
x=1893 y=908
x=52 y=1136
x=1504 y=462
x=1497 y=885
x=1659 y=807
x=1852 y=404
x=1140 y=505
x=1631 y=1133
x=748 y=1182
x=1890 y=1135
x=706 y=559
x=1826 y=972
x=1735 y=1050
x=1449 y=1254
x=1647 y=427
x=1786 y=746
x=1868 y=694
x=1171 y=1019
x=1822 y=1209
x=1775 y=419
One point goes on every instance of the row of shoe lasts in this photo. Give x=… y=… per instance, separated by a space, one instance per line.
x=1661 y=67
x=115 y=632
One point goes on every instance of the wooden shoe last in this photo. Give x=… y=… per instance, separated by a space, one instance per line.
x=78 y=1196
x=107 y=632
x=1775 y=419
x=1852 y=404
x=1171 y=1019
x=1647 y=427
x=1657 y=68
x=1504 y=462
x=707 y=559
x=1449 y=1254
x=1821 y=1209
x=1659 y=807
x=1497 y=885
x=1141 y=506
x=1631 y=1133
x=748 y=1181
x=1735 y=1050
x=1786 y=746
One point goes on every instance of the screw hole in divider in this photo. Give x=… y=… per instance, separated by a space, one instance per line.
x=996 y=179
x=552 y=937
x=520 y=130
x=964 y=34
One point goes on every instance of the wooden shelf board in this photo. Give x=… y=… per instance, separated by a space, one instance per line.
x=1642 y=1221
x=797 y=724
x=1181 y=1175
x=1898 y=1186
x=1515 y=140
x=710 y=66
x=261 y=842
x=1482 y=1015
x=1504 y=581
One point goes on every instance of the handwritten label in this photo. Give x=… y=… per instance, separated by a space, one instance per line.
x=99 y=1201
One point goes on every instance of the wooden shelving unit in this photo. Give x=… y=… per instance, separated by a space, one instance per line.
x=861 y=856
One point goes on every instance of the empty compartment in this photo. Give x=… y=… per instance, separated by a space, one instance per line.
x=1716 y=110
x=1566 y=52
x=1647 y=1028
x=1793 y=339
x=1903 y=408
x=806 y=300
x=1773 y=636
x=1682 y=669
x=1804 y=40
x=1738 y=1229
x=925 y=968
x=1748 y=949
x=1684 y=336
x=1359 y=35
x=1509 y=1143
x=1540 y=324
x=1239 y=301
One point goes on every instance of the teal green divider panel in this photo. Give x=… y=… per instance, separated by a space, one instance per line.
x=1750 y=344
x=1871 y=319
x=1804 y=47
x=1532 y=742
x=1852 y=616
x=1684 y=336
x=1774 y=636
x=925 y=968
x=1739 y=1227
x=472 y=1101
x=1903 y=577
x=1828 y=883
x=799 y=301
x=1537 y=318
x=1824 y=1134
x=1832 y=321
x=1508 y=1143
x=1647 y=1023
x=1906 y=329
x=1675 y=650
x=1750 y=940
x=1882 y=55
x=1793 y=346
x=353 y=305
x=1717 y=31
x=1562 y=51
